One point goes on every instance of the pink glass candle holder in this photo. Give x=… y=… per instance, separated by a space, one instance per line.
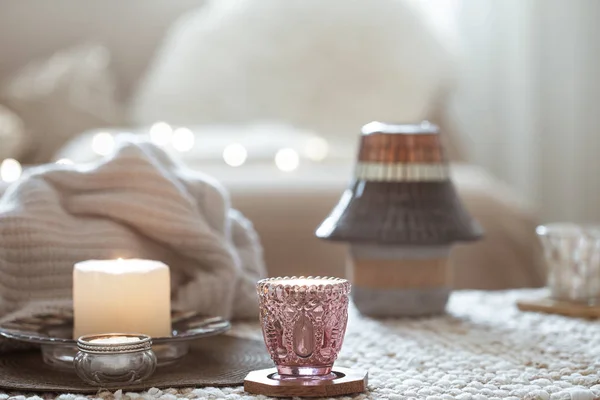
x=303 y=322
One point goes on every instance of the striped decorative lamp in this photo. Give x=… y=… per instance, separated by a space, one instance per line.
x=401 y=215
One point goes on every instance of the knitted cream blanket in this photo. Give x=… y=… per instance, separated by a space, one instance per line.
x=138 y=203
x=483 y=349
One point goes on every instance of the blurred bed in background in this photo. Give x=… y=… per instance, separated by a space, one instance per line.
x=271 y=106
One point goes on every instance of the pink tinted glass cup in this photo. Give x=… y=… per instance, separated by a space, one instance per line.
x=303 y=322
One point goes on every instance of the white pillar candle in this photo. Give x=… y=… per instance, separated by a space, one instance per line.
x=128 y=296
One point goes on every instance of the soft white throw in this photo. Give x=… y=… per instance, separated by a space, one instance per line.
x=137 y=203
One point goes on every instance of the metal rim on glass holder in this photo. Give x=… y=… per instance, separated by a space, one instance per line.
x=330 y=283
x=86 y=344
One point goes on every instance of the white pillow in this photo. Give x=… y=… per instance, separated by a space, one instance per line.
x=329 y=66
x=61 y=96
x=13 y=138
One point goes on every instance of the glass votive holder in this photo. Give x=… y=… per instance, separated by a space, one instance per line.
x=303 y=322
x=572 y=254
x=114 y=359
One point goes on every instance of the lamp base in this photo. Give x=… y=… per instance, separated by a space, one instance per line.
x=342 y=381
x=396 y=281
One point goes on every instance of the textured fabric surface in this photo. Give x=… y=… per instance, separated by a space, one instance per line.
x=483 y=349
x=214 y=361
x=136 y=204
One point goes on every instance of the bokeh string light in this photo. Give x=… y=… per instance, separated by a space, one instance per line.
x=161 y=134
x=287 y=159
x=183 y=139
x=103 y=143
x=235 y=155
x=10 y=170
x=316 y=149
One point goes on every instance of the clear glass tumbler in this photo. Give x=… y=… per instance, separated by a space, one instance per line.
x=572 y=253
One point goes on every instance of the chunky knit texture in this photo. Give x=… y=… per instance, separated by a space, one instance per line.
x=136 y=204
x=483 y=349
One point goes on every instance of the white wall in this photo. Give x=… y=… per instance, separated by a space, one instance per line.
x=529 y=104
x=131 y=29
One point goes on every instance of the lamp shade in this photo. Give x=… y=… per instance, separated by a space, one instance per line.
x=402 y=193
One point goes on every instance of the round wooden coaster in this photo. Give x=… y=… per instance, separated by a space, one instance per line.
x=349 y=381
x=551 y=306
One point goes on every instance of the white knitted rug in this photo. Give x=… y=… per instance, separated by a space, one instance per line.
x=484 y=349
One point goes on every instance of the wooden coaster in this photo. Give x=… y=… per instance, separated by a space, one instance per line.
x=551 y=306
x=350 y=381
